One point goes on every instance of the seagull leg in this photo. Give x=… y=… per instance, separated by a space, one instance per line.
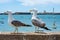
x=35 y=28
x=16 y=30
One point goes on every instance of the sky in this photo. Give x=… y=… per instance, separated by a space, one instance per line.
x=26 y=5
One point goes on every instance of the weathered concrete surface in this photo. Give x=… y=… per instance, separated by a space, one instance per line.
x=29 y=36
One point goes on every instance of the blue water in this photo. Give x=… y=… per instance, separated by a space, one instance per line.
x=48 y=19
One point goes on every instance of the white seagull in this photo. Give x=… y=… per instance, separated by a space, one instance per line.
x=36 y=21
x=14 y=22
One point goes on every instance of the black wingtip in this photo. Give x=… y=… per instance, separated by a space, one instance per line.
x=28 y=25
x=47 y=28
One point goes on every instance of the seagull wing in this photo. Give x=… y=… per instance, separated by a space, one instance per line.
x=19 y=23
x=39 y=24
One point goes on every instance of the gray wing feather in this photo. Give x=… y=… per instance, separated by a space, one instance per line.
x=36 y=22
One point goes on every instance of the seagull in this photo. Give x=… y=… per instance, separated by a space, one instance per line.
x=1 y=22
x=36 y=21
x=15 y=23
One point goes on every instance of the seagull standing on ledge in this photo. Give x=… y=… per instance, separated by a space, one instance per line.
x=36 y=21
x=14 y=22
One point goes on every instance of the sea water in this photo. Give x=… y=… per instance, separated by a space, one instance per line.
x=48 y=19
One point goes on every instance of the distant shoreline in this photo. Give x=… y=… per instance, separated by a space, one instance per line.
x=27 y=13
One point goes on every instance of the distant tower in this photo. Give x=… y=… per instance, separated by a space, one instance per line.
x=54 y=22
x=44 y=11
x=53 y=10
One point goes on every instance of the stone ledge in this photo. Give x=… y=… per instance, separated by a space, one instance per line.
x=29 y=36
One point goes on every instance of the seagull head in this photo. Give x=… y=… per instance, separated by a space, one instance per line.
x=9 y=12
x=34 y=11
